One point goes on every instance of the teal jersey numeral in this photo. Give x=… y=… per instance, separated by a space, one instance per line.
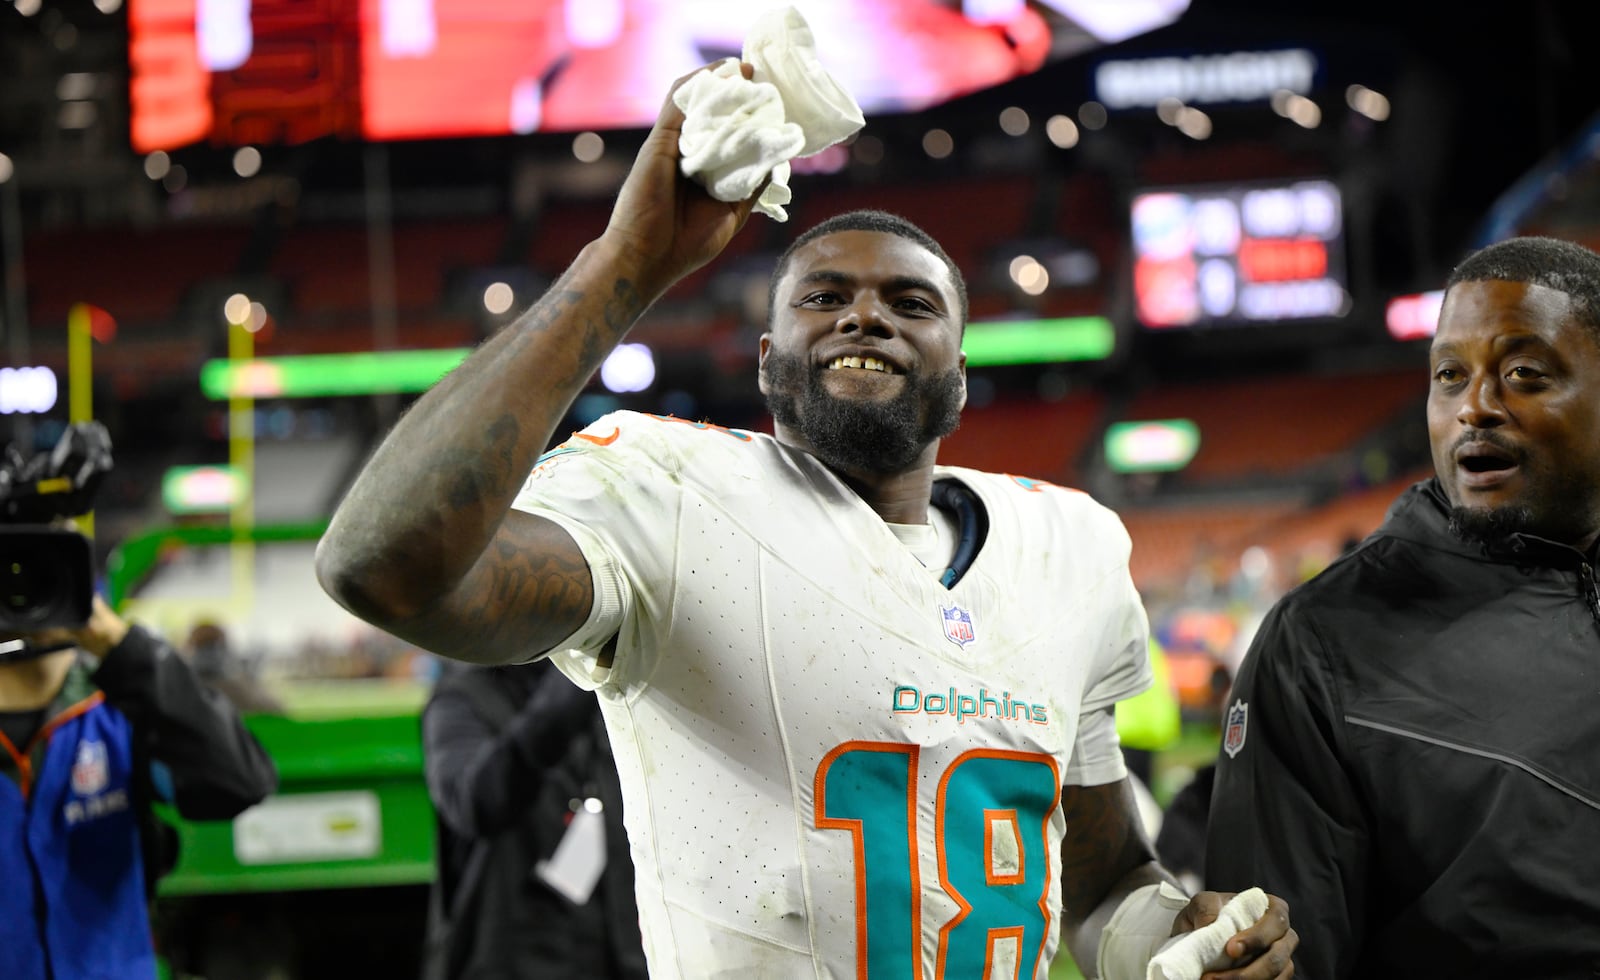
x=991 y=837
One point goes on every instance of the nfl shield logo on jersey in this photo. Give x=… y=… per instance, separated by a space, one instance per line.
x=90 y=772
x=957 y=625
x=1233 y=733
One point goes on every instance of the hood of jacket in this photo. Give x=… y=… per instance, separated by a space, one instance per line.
x=1421 y=515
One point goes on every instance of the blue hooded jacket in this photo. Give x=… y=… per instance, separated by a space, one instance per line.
x=73 y=826
x=75 y=820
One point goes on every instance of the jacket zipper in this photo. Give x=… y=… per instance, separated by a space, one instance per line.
x=1591 y=594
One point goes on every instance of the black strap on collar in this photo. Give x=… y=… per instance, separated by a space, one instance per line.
x=972 y=521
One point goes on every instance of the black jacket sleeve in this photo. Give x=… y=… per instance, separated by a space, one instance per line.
x=485 y=762
x=1284 y=812
x=217 y=767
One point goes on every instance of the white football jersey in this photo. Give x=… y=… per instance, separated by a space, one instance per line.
x=834 y=766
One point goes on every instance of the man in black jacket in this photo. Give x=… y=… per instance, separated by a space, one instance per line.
x=1409 y=753
x=517 y=763
x=96 y=721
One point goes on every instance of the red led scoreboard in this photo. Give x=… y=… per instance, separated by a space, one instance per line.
x=236 y=72
x=1239 y=254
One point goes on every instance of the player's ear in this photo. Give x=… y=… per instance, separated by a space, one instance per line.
x=763 y=347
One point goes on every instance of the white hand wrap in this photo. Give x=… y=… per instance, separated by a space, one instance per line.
x=1188 y=956
x=1138 y=928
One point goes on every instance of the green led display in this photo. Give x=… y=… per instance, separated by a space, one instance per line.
x=988 y=344
x=201 y=489
x=995 y=343
x=319 y=375
x=1151 y=447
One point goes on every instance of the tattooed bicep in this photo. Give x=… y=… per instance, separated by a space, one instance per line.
x=530 y=589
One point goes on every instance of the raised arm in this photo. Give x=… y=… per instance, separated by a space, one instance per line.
x=425 y=545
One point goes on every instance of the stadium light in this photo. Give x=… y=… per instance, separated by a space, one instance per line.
x=1414 y=317
x=28 y=389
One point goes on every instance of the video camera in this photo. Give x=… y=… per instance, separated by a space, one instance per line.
x=46 y=572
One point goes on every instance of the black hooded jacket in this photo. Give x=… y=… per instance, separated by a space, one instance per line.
x=1412 y=758
x=508 y=750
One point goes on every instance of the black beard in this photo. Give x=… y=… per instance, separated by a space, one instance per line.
x=873 y=437
x=1490 y=527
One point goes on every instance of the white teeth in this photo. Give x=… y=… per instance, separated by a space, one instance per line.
x=863 y=363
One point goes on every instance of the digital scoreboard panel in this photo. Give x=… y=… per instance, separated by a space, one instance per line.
x=1223 y=255
x=241 y=72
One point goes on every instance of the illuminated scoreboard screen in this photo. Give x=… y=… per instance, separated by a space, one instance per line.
x=239 y=72
x=1229 y=255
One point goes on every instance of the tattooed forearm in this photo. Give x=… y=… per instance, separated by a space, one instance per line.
x=1103 y=842
x=548 y=312
x=621 y=309
x=501 y=441
x=473 y=471
x=625 y=306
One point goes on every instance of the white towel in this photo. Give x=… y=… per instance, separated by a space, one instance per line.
x=783 y=51
x=736 y=131
x=1187 y=956
x=734 y=134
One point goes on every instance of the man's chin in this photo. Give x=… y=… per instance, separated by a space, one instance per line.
x=867 y=424
x=1490 y=525
x=851 y=435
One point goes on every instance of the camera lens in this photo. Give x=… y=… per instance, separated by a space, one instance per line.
x=28 y=584
x=46 y=578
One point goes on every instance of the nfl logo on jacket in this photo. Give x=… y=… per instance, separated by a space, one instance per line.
x=1233 y=734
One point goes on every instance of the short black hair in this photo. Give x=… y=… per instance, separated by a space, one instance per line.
x=867 y=219
x=1550 y=262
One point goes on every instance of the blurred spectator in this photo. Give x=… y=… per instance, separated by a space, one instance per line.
x=535 y=879
x=215 y=662
x=1181 y=844
x=96 y=722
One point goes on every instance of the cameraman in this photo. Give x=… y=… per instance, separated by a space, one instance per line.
x=96 y=722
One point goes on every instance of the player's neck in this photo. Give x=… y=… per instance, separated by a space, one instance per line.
x=898 y=498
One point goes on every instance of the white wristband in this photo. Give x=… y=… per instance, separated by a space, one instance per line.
x=1139 y=926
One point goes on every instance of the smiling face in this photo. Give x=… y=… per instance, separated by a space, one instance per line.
x=1514 y=412
x=863 y=364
